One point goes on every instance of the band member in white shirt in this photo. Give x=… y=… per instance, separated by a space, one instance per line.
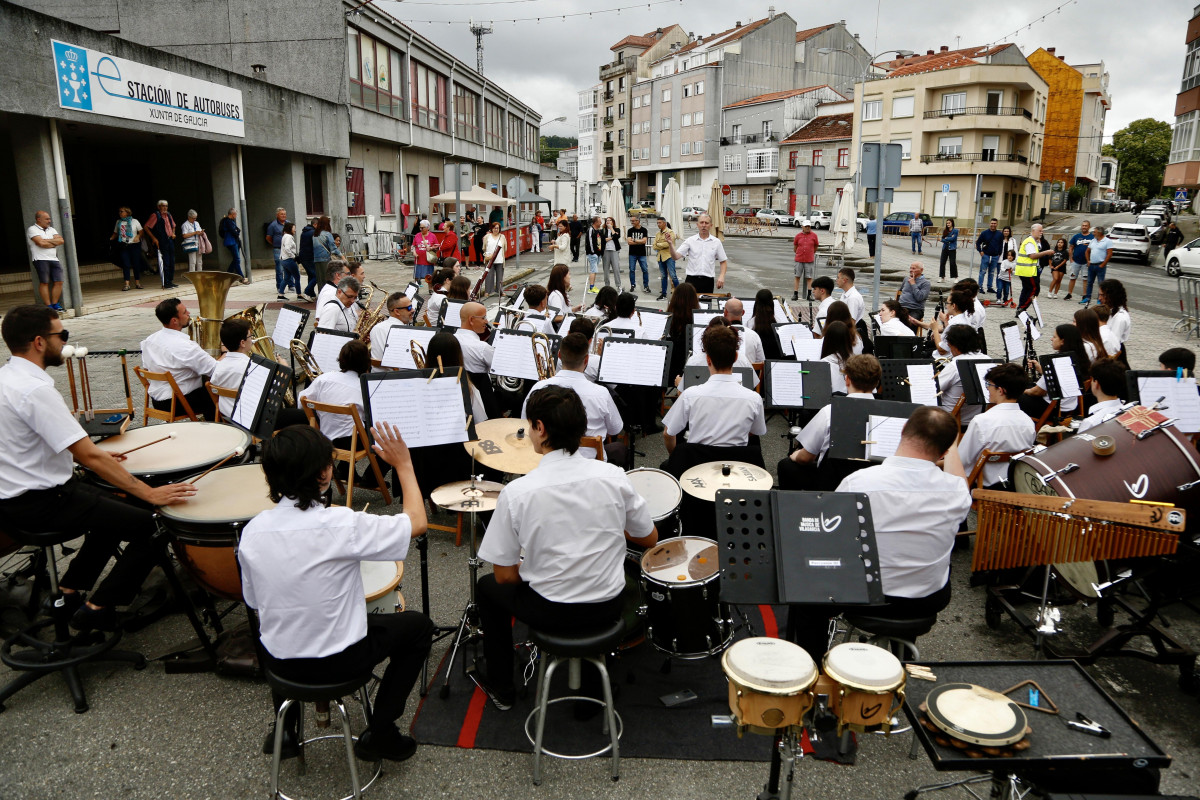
x=751 y=345
x=705 y=253
x=477 y=353
x=626 y=316
x=1108 y=384
x=400 y=312
x=1003 y=428
x=336 y=314
x=438 y=286
x=300 y=572
x=170 y=350
x=1112 y=295
x=850 y=294
x=537 y=319
x=959 y=309
x=341 y=388
x=863 y=375
x=822 y=292
x=698 y=358
x=338 y=269
x=237 y=337
x=963 y=343
x=557 y=566
x=893 y=319
x=39 y=491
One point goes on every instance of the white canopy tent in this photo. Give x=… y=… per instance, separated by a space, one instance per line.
x=476 y=195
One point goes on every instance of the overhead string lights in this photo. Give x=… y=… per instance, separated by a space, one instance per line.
x=560 y=17
x=1030 y=25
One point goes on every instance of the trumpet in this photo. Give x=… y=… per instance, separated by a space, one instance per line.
x=417 y=352
x=308 y=364
x=541 y=356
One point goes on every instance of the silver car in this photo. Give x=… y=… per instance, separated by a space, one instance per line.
x=692 y=213
x=1131 y=240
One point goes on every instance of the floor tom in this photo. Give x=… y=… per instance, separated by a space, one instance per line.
x=681 y=584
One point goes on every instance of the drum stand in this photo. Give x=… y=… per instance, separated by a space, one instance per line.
x=468 y=629
x=785 y=747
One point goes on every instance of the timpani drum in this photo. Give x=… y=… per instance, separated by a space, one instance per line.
x=681 y=585
x=193 y=448
x=381 y=585
x=662 y=494
x=865 y=685
x=770 y=683
x=205 y=528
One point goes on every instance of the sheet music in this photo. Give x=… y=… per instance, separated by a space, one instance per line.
x=287 y=327
x=1024 y=319
x=1037 y=313
x=250 y=395
x=397 y=350
x=520 y=301
x=806 y=349
x=787 y=384
x=325 y=348
x=1014 y=347
x=883 y=435
x=615 y=335
x=1064 y=375
x=701 y=318
x=395 y=401
x=923 y=386
x=781 y=314
x=654 y=325
x=697 y=335
x=632 y=363
x=453 y=317
x=1181 y=403
x=513 y=357
x=792 y=330
x=982 y=368
x=411 y=290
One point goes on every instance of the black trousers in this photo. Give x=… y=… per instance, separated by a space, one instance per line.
x=808 y=625
x=499 y=602
x=575 y=248
x=871 y=244
x=704 y=283
x=952 y=257
x=104 y=522
x=403 y=639
x=199 y=399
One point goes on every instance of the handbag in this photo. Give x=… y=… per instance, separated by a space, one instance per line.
x=205 y=244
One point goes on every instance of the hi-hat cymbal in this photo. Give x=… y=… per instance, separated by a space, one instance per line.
x=462 y=496
x=504 y=444
x=703 y=480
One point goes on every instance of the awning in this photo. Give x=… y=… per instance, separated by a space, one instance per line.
x=476 y=195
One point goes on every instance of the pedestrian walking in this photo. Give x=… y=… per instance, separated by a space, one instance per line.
x=1079 y=259
x=289 y=248
x=127 y=234
x=990 y=246
x=804 y=246
x=324 y=249
x=44 y=242
x=304 y=257
x=191 y=232
x=949 y=240
x=577 y=232
x=1100 y=250
x=160 y=232
x=872 y=226
x=536 y=229
x=916 y=232
x=1172 y=240
x=231 y=237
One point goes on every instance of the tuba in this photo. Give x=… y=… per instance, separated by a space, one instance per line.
x=212 y=287
x=541 y=356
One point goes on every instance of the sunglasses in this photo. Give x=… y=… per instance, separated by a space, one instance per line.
x=64 y=333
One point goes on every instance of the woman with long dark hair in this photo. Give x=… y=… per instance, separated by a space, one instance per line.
x=1112 y=296
x=894 y=320
x=1067 y=341
x=949 y=240
x=762 y=322
x=840 y=312
x=604 y=305
x=494 y=243
x=1089 y=330
x=835 y=350
x=684 y=301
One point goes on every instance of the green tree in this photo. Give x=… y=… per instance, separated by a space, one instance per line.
x=549 y=146
x=1141 y=148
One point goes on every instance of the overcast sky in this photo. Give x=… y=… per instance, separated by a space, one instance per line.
x=545 y=63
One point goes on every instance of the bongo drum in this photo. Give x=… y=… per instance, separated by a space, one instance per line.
x=770 y=683
x=381 y=585
x=681 y=584
x=662 y=494
x=866 y=685
x=192 y=448
x=206 y=527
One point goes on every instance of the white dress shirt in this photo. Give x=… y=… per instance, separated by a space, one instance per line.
x=477 y=354
x=703 y=256
x=916 y=509
x=1111 y=343
x=853 y=299
x=169 y=350
x=822 y=314
x=837 y=378
x=627 y=324
x=977 y=317
x=334 y=316
x=894 y=327
x=338 y=389
x=36 y=427
x=1099 y=412
x=328 y=292
x=815 y=437
x=957 y=319
x=379 y=336
x=603 y=419
x=950 y=384
x=720 y=412
x=557 y=302
x=1119 y=324
x=1003 y=428
x=300 y=571
x=228 y=375
x=36 y=252
x=433 y=307
x=750 y=344
x=574 y=547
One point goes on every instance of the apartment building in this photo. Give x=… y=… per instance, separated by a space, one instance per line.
x=1075 y=115
x=589 y=158
x=824 y=141
x=1183 y=163
x=958 y=115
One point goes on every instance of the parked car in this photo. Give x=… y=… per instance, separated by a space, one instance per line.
x=1161 y=209
x=746 y=211
x=897 y=222
x=1131 y=240
x=1184 y=259
x=643 y=209
x=692 y=213
x=820 y=219
x=863 y=219
x=1156 y=226
x=779 y=215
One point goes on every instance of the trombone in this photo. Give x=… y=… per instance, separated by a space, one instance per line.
x=541 y=356
x=308 y=364
x=598 y=338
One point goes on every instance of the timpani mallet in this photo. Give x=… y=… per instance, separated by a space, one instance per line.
x=140 y=446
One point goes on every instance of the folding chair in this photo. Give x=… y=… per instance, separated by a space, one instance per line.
x=359 y=449
x=217 y=392
x=149 y=412
x=758 y=366
x=975 y=479
x=595 y=442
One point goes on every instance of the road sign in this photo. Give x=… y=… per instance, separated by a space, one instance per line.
x=457 y=176
x=726 y=190
x=810 y=181
x=945 y=188
x=1181 y=194
x=881 y=176
x=516 y=187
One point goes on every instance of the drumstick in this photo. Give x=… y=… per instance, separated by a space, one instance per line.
x=147 y=444
x=236 y=452
x=71 y=377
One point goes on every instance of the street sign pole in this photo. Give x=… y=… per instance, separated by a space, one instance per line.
x=881 y=180
x=978 y=222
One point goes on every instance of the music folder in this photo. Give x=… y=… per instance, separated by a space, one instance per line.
x=635 y=362
x=260 y=396
x=694 y=376
x=1062 y=382
x=900 y=347
x=397 y=348
x=288 y=325
x=450 y=314
x=791 y=384
x=972 y=372
x=857 y=427
x=428 y=406
x=1180 y=399
x=908 y=380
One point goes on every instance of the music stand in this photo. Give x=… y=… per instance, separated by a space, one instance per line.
x=701 y=318
x=513 y=356
x=786 y=331
x=260 y=396
x=1178 y=394
x=900 y=347
x=780 y=387
x=694 y=376
x=1011 y=333
x=848 y=420
x=386 y=400
x=1062 y=382
x=397 y=347
x=896 y=384
x=660 y=321
x=634 y=362
x=288 y=325
x=693 y=334
x=974 y=392
x=448 y=319
x=325 y=344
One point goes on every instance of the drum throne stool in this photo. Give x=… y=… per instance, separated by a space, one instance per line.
x=32 y=656
x=301 y=693
x=897 y=635
x=574 y=648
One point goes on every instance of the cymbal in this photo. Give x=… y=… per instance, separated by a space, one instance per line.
x=703 y=480
x=461 y=496
x=504 y=444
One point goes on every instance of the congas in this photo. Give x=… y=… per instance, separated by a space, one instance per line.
x=205 y=528
x=187 y=448
x=662 y=494
x=976 y=720
x=381 y=585
x=770 y=683
x=865 y=685
x=681 y=585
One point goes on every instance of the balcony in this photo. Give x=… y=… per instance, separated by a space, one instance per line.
x=607 y=95
x=741 y=138
x=607 y=173
x=608 y=122
x=985 y=110
x=933 y=158
x=607 y=147
x=618 y=67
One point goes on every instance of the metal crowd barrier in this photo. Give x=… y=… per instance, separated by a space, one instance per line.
x=1189 y=306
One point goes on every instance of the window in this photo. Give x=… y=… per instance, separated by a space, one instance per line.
x=817 y=157
x=991 y=145
x=374 y=68
x=608 y=86
x=687 y=90
x=698 y=118
x=745 y=196
x=736 y=131
x=843 y=161
x=762 y=162
x=685 y=149
x=637 y=102
x=666 y=95
x=620 y=111
x=646 y=100
x=608 y=112
x=685 y=120
x=314 y=188
x=699 y=87
x=766 y=129
x=621 y=137
x=621 y=163
x=494 y=125
x=995 y=100
x=902 y=107
x=666 y=124
x=950 y=146
x=665 y=151
x=698 y=148
x=814 y=201
x=428 y=93
x=514 y=135
x=646 y=153
x=385 y=193
x=731 y=162
x=906 y=145
x=872 y=109
x=792 y=159
x=620 y=84
x=954 y=102
x=466 y=113
x=356 y=198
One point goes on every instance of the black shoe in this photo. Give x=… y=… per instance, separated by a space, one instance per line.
x=795 y=295
x=1068 y=297
x=502 y=698
x=290 y=747
x=394 y=747
x=70 y=603
x=281 y=296
x=645 y=290
x=661 y=297
x=94 y=619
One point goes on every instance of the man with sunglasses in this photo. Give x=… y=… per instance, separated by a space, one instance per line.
x=1003 y=428
x=39 y=492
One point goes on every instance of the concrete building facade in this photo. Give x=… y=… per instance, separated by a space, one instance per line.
x=589 y=159
x=824 y=142
x=1183 y=163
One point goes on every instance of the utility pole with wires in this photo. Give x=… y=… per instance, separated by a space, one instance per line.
x=478 y=31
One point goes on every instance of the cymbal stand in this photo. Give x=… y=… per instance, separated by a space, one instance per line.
x=468 y=629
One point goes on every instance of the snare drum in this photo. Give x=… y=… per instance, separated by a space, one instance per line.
x=681 y=584
x=662 y=494
x=205 y=528
x=865 y=684
x=195 y=448
x=770 y=683
x=381 y=585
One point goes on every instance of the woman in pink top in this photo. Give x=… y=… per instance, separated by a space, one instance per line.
x=425 y=245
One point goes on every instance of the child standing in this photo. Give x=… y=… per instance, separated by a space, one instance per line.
x=1004 y=279
x=1058 y=266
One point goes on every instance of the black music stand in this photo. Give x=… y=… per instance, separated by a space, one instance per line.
x=443 y=312
x=900 y=347
x=974 y=392
x=266 y=402
x=345 y=336
x=694 y=376
x=1178 y=395
x=1008 y=331
x=896 y=384
x=784 y=331
x=665 y=346
x=816 y=378
x=289 y=325
x=1050 y=371
x=656 y=313
x=848 y=423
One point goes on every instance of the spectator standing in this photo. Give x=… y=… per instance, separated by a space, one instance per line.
x=872 y=226
x=304 y=255
x=636 y=238
x=593 y=247
x=1079 y=258
x=425 y=245
x=536 y=229
x=494 y=242
x=160 y=229
x=611 y=252
x=274 y=236
x=191 y=231
x=804 y=245
x=288 y=249
x=1172 y=240
x=448 y=247
x=1058 y=266
x=914 y=291
x=577 y=229
x=949 y=240
x=916 y=231
x=44 y=242
x=1099 y=252
x=1028 y=258
x=231 y=238
x=497 y=215
x=324 y=249
x=1004 y=280
x=127 y=233
x=560 y=249
x=663 y=241
x=990 y=246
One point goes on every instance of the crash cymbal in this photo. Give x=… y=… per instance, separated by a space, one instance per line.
x=462 y=496
x=504 y=445
x=703 y=480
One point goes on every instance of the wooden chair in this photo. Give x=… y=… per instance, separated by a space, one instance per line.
x=359 y=449
x=975 y=478
x=217 y=392
x=758 y=366
x=149 y=412
x=596 y=443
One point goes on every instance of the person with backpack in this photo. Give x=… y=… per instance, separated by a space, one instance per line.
x=305 y=257
x=231 y=237
x=324 y=248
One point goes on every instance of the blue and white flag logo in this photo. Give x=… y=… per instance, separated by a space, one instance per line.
x=74 y=79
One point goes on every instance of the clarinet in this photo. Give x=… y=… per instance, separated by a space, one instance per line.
x=929 y=346
x=1030 y=355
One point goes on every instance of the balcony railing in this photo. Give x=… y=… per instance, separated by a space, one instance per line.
x=608 y=173
x=986 y=156
x=607 y=147
x=741 y=138
x=608 y=121
x=990 y=111
x=608 y=95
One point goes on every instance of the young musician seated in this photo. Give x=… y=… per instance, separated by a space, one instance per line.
x=472 y=335
x=960 y=308
x=337 y=314
x=699 y=359
x=341 y=388
x=572 y=574
x=603 y=418
x=1177 y=358
x=300 y=572
x=863 y=375
x=587 y=328
x=39 y=491
x=624 y=316
x=963 y=343
x=850 y=294
x=916 y=509
x=970 y=286
x=1003 y=428
x=1108 y=384
x=893 y=320
x=1066 y=341
x=237 y=337
x=170 y=350
x=439 y=284
x=400 y=312
x=537 y=318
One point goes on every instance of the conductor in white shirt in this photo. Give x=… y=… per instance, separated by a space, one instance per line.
x=705 y=253
x=336 y=314
x=1003 y=428
x=170 y=350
